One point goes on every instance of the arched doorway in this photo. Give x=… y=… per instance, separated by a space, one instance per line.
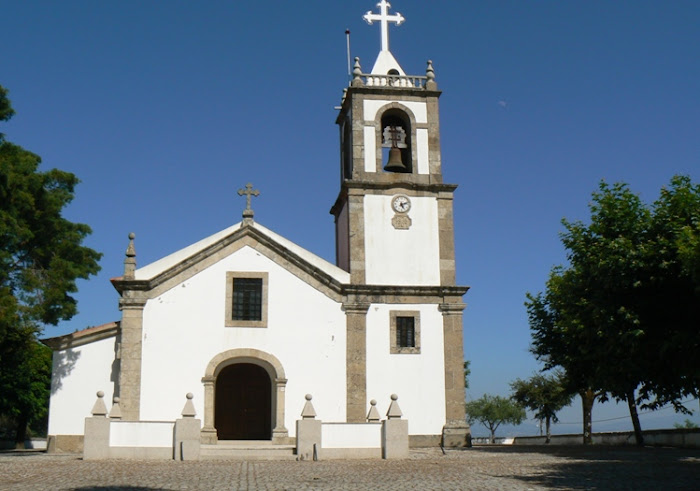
x=275 y=377
x=243 y=403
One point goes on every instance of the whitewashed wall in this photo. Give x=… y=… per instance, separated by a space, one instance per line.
x=401 y=257
x=184 y=329
x=78 y=374
x=418 y=379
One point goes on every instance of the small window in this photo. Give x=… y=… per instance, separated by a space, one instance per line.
x=246 y=299
x=405 y=332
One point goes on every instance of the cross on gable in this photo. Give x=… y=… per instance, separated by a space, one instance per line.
x=384 y=18
x=248 y=192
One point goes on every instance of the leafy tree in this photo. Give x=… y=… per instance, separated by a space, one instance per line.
x=543 y=395
x=467 y=372
x=492 y=411
x=41 y=257
x=605 y=319
x=687 y=424
x=671 y=306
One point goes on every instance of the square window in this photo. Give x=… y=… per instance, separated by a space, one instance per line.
x=246 y=299
x=404 y=332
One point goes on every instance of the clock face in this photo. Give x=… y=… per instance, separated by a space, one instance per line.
x=401 y=204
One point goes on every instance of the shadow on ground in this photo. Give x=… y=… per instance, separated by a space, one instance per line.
x=609 y=467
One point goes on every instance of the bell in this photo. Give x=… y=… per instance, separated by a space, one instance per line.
x=395 y=164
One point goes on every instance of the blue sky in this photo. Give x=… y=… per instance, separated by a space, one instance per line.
x=165 y=109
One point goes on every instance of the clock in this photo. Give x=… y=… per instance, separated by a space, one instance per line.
x=401 y=204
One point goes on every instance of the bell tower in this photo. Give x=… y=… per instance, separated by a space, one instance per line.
x=393 y=214
x=395 y=236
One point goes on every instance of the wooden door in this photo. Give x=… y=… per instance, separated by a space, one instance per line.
x=243 y=403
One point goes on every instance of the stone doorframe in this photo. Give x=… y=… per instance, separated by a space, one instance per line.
x=271 y=364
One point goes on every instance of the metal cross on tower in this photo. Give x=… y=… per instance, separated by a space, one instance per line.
x=384 y=18
x=249 y=192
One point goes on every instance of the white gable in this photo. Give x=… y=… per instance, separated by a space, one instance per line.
x=154 y=269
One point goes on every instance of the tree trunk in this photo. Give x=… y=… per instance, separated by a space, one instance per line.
x=493 y=435
x=587 y=399
x=639 y=438
x=21 y=431
x=549 y=433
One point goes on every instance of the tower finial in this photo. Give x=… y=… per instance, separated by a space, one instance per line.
x=248 y=212
x=130 y=261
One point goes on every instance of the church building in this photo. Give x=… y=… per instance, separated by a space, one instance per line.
x=249 y=322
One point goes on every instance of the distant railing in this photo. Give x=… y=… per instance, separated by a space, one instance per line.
x=397 y=81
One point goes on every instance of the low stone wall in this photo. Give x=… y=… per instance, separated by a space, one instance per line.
x=684 y=438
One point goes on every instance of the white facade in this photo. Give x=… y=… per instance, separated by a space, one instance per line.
x=386 y=319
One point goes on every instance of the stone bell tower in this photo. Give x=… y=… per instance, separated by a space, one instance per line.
x=394 y=214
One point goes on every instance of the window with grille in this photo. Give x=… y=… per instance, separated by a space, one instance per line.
x=404 y=332
x=246 y=299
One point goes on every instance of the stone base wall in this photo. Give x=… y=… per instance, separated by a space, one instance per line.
x=424 y=441
x=65 y=444
x=684 y=438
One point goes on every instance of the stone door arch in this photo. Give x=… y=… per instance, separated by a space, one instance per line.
x=245 y=356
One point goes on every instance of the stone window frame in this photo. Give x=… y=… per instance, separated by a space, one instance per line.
x=229 y=321
x=395 y=349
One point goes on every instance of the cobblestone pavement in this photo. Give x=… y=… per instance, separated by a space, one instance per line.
x=498 y=468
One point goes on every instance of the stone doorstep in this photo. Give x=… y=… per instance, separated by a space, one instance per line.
x=247 y=450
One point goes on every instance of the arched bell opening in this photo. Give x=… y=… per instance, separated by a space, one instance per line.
x=396 y=142
x=346 y=149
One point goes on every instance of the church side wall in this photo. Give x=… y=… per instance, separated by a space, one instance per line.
x=91 y=369
x=184 y=330
x=418 y=379
x=401 y=257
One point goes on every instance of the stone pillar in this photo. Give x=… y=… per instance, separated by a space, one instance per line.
x=308 y=433
x=187 y=441
x=280 y=433
x=131 y=306
x=456 y=432
x=208 y=431
x=394 y=433
x=447 y=239
x=96 y=442
x=356 y=361
x=356 y=237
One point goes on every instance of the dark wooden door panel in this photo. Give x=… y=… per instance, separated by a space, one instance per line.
x=243 y=403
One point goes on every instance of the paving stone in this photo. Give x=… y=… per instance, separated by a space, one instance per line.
x=493 y=468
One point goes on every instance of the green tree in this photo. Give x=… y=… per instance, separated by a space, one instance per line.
x=467 y=372
x=605 y=317
x=41 y=257
x=543 y=395
x=687 y=424
x=670 y=308
x=492 y=411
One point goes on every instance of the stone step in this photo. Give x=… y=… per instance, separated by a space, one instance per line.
x=247 y=450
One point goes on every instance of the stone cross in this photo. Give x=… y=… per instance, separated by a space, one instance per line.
x=248 y=191
x=384 y=19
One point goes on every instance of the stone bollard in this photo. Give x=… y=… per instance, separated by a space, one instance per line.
x=394 y=432
x=96 y=440
x=115 y=412
x=187 y=444
x=308 y=433
x=373 y=414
